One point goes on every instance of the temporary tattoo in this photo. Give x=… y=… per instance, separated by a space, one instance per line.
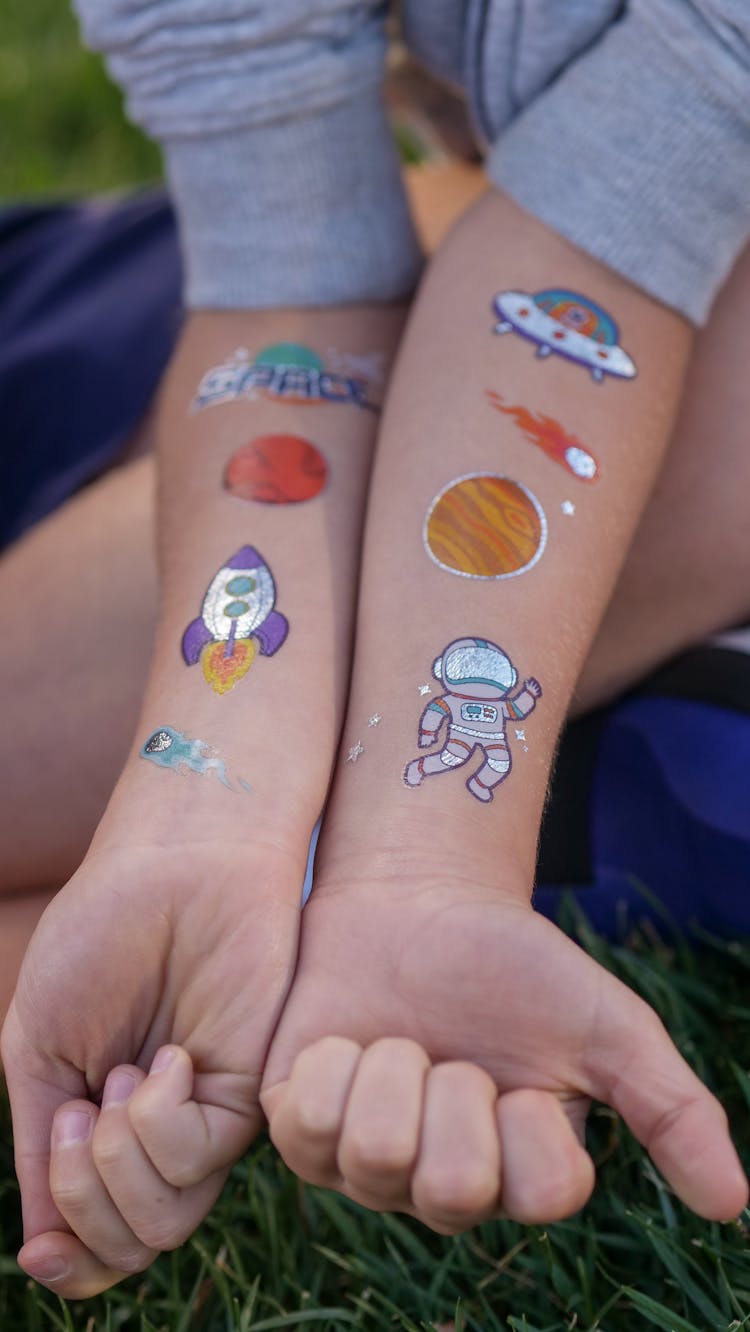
x=477 y=679
x=276 y=469
x=237 y=618
x=168 y=748
x=285 y=370
x=550 y=436
x=485 y=526
x=424 y=689
x=375 y=719
x=520 y=735
x=369 y=366
x=568 y=508
x=355 y=752
x=568 y=324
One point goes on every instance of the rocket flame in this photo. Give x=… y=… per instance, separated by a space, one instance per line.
x=223 y=669
x=549 y=435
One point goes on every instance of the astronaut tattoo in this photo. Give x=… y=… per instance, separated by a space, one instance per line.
x=477 y=679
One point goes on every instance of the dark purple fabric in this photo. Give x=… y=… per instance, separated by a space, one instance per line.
x=89 y=313
x=667 y=815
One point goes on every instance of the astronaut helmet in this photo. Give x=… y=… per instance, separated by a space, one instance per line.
x=475 y=667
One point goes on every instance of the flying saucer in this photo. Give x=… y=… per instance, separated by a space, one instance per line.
x=568 y=324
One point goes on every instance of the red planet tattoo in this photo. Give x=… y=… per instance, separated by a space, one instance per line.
x=276 y=469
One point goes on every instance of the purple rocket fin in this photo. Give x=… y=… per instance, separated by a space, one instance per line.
x=194 y=640
x=247 y=557
x=271 y=633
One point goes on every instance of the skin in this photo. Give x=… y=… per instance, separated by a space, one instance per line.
x=191 y=880
x=429 y=1095
x=466 y=971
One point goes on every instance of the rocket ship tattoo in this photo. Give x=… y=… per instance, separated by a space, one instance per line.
x=237 y=618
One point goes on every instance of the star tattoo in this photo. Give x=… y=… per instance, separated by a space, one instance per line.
x=355 y=752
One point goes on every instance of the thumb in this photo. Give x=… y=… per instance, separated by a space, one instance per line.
x=676 y=1118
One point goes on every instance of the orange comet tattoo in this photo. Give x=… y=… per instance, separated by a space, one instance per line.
x=549 y=435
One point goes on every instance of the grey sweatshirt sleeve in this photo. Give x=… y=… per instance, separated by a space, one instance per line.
x=639 y=152
x=278 y=153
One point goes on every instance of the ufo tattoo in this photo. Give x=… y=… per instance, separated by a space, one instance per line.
x=568 y=324
x=237 y=618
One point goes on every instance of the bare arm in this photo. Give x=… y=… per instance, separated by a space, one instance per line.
x=459 y=1078
x=575 y=459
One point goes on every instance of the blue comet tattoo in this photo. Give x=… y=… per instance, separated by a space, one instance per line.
x=168 y=748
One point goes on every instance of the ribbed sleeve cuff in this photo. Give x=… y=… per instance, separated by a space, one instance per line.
x=638 y=154
x=295 y=214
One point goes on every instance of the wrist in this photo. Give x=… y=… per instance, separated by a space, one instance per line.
x=403 y=849
x=198 y=843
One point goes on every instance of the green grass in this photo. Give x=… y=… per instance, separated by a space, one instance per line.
x=274 y=1254
x=62 y=129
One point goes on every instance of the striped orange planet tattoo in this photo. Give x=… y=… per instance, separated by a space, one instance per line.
x=485 y=526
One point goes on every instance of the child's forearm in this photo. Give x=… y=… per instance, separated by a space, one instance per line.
x=570 y=460
x=262 y=475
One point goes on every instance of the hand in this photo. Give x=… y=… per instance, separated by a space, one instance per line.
x=189 y=947
x=438 y=1050
x=533 y=686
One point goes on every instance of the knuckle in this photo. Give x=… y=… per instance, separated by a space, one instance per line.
x=457 y=1197
x=314 y=1120
x=465 y=1075
x=397 y=1047
x=69 y=1195
x=184 y=1174
x=107 y=1153
x=328 y=1047
x=365 y=1151
x=558 y=1195
x=131 y=1261
x=144 y=1110
x=160 y=1233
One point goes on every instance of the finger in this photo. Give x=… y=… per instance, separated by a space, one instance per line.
x=577 y=1111
x=37 y=1087
x=60 y=1261
x=306 y=1117
x=82 y=1197
x=380 y=1135
x=547 y=1174
x=456 y=1182
x=670 y=1111
x=192 y=1125
x=159 y=1215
